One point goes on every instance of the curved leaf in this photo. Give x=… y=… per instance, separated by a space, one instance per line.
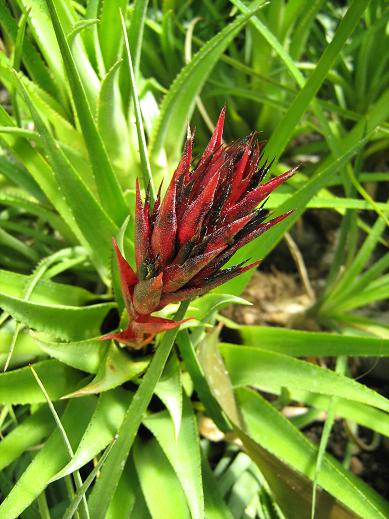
x=161 y=488
x=30 y=432
x=117 y=367
x=362 y=414
x=270 y=429
x=50 y=459
x=46 y=291
x=83 y=355
x=169 y=390
x=86 y=210
x=70 y=323
x=179 y=102
x=26 y=348
x=110 y=474
x=298 y=343
x=292 y=490
x=249 y=366
x=102 y=427
x=110 y=193
x=184 y=454
x=111 y=40
x=112 y=123
x=19 y=386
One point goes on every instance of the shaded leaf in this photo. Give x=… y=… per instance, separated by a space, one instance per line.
x=161 y=488
x=117 y=367
x=184 y=454
x=50 y=459
x=100 y=431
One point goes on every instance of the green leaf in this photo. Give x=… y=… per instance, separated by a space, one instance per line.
x=169 y=390
x=252 y=366
x=44 y=35
x=112 y=123
x=161 y=488
x=135 y=31
x=53 y=112
x=85 y=209
x=102 y=427
x=32 y=431
x=215 y=506
x=81 y=491
x=84 y=513
x=41 y=171
x=113 y=468
x=86 y=355
x=50 y=459
x=377 y=292
x=19 y=386
x=205 y=308
x=110 y=193
x=70 y=323
x=80 y=26
x=270 y=429
x=124 y=498
x=183 y=454
x=346 y=280
x=284 y=130
x=116 y=368
x=217 y=376
x=140 y=507
x=195 y=370
x=18 y=246
x=281 y=478
x=32 y=59
x=341 y=364
x=292 y=491
x=18 y=175
x=50 y=47
x=327 y=202
x=147 y=179
x=46 y=291
x=299 y=343
x=376 y=115
x=42 y=212
x=178 y=104
x=26 y=348
x=362 y=414
x=109 y=30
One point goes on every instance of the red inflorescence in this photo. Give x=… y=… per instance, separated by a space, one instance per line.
x=183 y=241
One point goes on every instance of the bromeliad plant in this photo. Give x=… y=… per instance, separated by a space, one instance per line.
x=68 y=165
x=184 y=240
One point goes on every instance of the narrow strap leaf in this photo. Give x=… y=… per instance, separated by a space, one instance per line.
x=108 y=187
x=112 y=470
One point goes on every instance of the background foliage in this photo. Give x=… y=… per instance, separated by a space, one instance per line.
x=310 y=75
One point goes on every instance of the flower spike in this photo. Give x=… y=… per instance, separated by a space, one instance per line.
x=183 y=242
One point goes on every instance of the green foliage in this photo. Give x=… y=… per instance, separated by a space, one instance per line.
x=96 y=93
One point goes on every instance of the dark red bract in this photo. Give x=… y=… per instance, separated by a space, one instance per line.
x=183 y=241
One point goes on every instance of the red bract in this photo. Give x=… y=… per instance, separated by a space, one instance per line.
x=183 y=241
